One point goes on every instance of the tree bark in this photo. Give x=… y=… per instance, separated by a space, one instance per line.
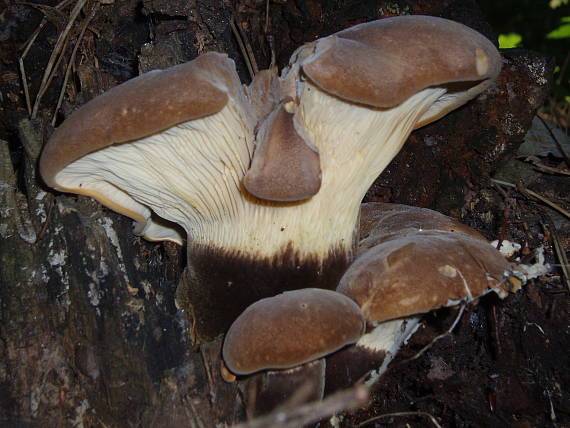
x=90 y=333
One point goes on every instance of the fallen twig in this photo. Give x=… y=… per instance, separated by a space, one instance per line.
x=72 y=60
x=56 y=55
x=245 y=48
x=399 y=414
x=299 y=416
x=495 y=327
x=437 y=338
x=44 y=227
x=520 y=187
x=558 y=143
x=27 y=48
x=561 y=255
x=269 y=37
x=249 y=50
x=545 y=168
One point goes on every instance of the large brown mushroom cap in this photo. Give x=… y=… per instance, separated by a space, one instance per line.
x=291 y=329
x=384 y=62
x=138 y=108
x=421 y=272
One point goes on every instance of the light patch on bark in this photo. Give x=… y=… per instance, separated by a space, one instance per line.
x=107 y=224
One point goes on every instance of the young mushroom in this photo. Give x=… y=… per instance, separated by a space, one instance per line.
x=286 y=166
x=422 y=271
x=287 y=335
x=291 y=329
x=265 y=182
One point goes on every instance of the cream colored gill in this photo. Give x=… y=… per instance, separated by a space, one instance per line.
x=451 y=100
x=191 y=175
x=356 y=143
x=188 y=174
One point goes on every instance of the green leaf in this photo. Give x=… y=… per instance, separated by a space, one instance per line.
x=509 y=40
x=562 y=32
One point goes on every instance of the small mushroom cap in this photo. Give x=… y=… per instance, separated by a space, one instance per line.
x=382 y=221
x=420 y=272
x=291 y=329
x=285 y=165
x=382 y=63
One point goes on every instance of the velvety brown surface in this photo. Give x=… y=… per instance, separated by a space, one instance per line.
x=413 y=53
x=269 y=390
x=145 y=105
x=290 y=329
x=422 y=271
x=235 y=282
x=349 y=365
x=284 y=167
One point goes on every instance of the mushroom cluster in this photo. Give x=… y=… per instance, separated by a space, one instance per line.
x=265 y=181
x=410 y=261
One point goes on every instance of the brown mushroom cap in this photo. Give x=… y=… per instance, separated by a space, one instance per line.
x=285 y=166
x=291 y=329
x=384 y=62
x=382 y=221
x=423 y=271
x=138 y=108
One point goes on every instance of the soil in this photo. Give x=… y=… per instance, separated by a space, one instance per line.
x=89 y=347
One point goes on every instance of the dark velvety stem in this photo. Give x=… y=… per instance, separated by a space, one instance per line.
x=219 y=286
